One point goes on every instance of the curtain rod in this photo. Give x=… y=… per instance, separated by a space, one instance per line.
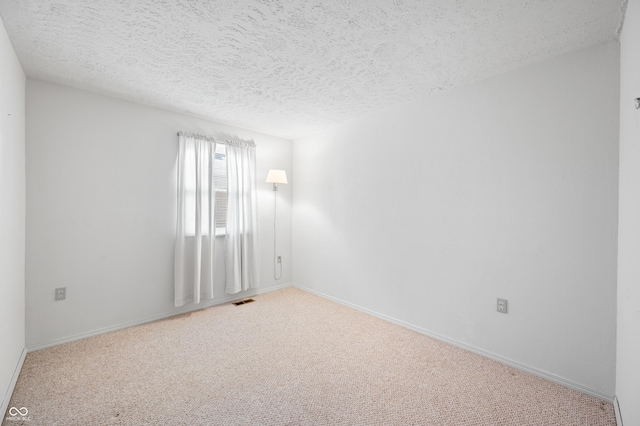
x=239 y=142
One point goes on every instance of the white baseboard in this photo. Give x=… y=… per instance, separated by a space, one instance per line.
x=12 y=385
x=545 y=375
x=178 y=311
x=616 y=407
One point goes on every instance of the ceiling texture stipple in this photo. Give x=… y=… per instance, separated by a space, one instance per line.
x=291 y=68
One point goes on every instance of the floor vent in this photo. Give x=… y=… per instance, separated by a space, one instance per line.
x=242 y=302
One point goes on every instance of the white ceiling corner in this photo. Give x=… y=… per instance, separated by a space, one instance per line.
x=290 y=68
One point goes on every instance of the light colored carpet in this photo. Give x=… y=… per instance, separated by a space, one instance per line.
x=289 y=358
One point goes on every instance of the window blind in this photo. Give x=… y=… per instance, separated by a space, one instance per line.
x=219 y=178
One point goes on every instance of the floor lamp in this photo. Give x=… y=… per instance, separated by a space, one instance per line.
x=276 y=177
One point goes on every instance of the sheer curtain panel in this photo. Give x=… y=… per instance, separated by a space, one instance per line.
x=195 y=230
x=241 y=252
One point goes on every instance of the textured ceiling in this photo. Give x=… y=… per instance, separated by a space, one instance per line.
x=290 y=68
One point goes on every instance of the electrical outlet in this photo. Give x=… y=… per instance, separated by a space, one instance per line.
x=279 y=259
x=61 y=293
x=502 y=306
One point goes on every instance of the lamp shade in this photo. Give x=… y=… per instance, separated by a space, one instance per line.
x=277 y=176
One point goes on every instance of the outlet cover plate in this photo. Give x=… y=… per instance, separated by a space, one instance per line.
x=61 y=293
x=501 y=306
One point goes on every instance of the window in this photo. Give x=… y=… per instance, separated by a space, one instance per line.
x=220 y=186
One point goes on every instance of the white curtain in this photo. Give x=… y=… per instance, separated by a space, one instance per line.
x=195 y=233
x=241 y=256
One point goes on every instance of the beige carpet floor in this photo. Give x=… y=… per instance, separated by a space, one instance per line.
x=289 y=358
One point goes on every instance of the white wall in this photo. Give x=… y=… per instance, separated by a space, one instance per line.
x=101 y=210
x=428 y=212
x=12 y=215
x=628 y=337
